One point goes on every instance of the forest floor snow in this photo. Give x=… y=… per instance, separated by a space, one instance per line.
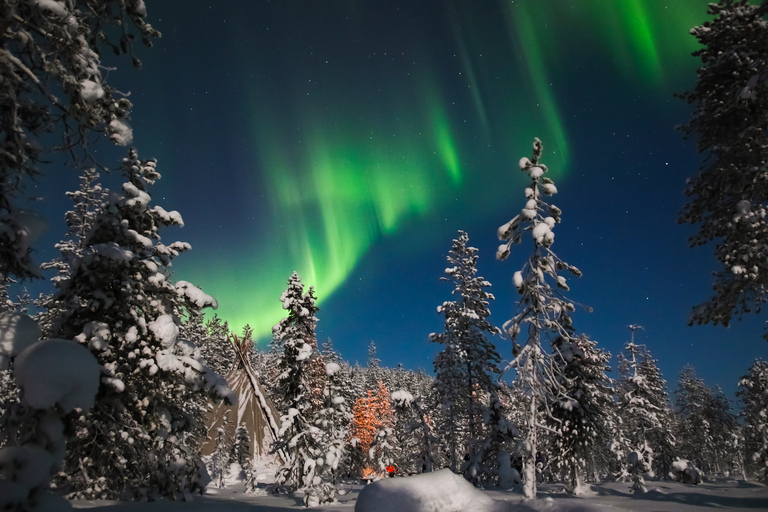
x=662 y=497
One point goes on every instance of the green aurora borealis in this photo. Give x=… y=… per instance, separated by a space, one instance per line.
x=357 y=132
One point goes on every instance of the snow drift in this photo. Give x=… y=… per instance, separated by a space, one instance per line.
x=441 y=491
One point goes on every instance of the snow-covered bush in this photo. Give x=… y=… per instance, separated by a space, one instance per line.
x=637 y=465
x=685 y=472
x=55 y=377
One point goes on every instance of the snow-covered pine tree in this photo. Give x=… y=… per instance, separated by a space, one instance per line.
x=88 y=200
x=241 y=449
x=362 y=431
x=294 y=338
x=646 y=417
x=727 y=456
x=215 y=346
x=333 y=420
x=543 y=313
x=52 y=81
x=219 y=464
x=357 y=381
x=490 y=460
x=694 y=430
x=661 y=439
x=374 y=373
x=581 y=415
x=330 y=355
x=301 y=371
x=381 y=452
x=119 y=303
x=467 y=366
x=729 y=197
x=753 y=393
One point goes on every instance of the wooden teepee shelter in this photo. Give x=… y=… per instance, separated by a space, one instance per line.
x=253 y=408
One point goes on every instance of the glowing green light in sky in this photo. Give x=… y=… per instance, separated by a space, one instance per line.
x=331 y=195
x=446 y=147
x=335 y=169
x=528 y=35
x=474 y=86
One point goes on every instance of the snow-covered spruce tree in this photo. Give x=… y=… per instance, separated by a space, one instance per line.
x=300 y=367
x=300 y=440
x=241 y=462
x=543 y=313
x=406 y=458
x=215 y=346
x=490 y=459
x=729 y=196
x=374 y=373
x=581 y=414
x=727 y=456
x=414 y=429
x=219 y=464
x=467 y=366
x=333 y=421
x=88 y=200
x=693 y=430
x=753 y=393
x=362 y=431
x=382 y=451
x=118 y=302
x=52 y=81
x=709 y=435
x=646 y=417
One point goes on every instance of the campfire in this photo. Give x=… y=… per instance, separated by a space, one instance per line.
x=369 y=475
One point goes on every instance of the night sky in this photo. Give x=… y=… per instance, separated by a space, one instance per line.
x=350 y=140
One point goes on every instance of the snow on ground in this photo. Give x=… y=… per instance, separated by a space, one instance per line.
x=662 y=497
x=440 y=491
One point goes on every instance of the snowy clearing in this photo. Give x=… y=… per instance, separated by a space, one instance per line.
x=662 y=497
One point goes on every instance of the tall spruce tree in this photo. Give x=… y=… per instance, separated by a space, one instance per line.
x=729 y=196
x=694 y=430
x=753 y=393
x=543 y=313
x=295 y=340
x=581 y=413
x=118 y=301
x=88 y=199
x=647 y=420
x=467 y=366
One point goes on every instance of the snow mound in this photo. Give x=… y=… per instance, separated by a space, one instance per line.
x=57 y=372
x=441 y=491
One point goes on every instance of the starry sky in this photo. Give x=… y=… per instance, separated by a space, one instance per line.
x=350 y=140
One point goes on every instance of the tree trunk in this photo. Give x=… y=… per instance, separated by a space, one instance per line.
x=529 y=454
